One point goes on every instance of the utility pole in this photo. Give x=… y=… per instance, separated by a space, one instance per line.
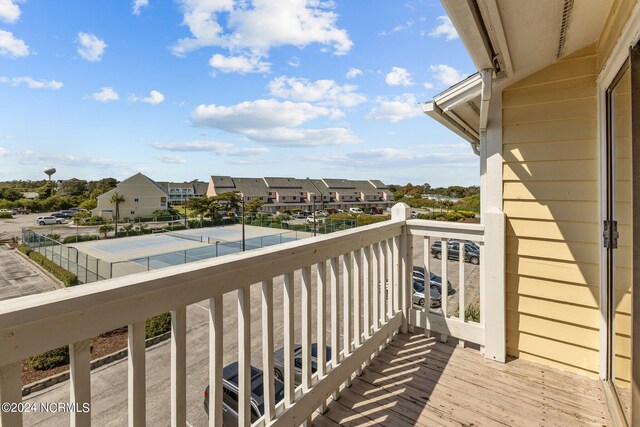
x=243 y=248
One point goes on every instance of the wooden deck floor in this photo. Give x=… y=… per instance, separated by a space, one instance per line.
x=418 y=381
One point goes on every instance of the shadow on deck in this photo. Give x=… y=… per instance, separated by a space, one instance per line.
x=418 y=381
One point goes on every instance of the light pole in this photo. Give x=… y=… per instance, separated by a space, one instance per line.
x=184 y=202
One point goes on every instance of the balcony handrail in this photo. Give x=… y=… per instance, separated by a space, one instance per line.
x=92 y=310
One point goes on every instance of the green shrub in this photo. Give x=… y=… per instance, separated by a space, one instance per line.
x=472 y=313
x=25 y=249
x=157 y=325
x=5 y=215
x=80 y=238
x=66 y=277
x=54 y=236
x=50 y=359
x=364 y=219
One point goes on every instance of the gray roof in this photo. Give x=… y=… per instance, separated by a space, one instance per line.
x=338 y=183
x=273 y=182
x=366 y=188
x=200 y=188
x=222 y=181
x=288 y=191
x=378 y=184
x=250 y=186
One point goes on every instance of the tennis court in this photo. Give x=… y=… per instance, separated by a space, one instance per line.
x=200 y=243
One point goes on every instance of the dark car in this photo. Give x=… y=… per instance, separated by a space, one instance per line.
x=62 y=214
x=435 y=281
x=230 y=394
x=471 y=251
x=278 y=361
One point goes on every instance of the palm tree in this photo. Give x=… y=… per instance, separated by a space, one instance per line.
x=117 y=198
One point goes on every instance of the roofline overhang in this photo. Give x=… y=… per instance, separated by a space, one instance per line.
x=442 y=108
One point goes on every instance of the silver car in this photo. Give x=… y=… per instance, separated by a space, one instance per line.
x=278 y=361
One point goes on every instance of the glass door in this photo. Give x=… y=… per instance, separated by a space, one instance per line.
x=619 y=237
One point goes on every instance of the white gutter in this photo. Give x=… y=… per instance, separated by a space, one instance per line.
x=485 y=97
x=435 y=112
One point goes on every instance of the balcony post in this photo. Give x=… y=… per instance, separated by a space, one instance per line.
x=402 y=211
x=492 y=252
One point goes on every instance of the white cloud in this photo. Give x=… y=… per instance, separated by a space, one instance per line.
x=239 y=64
x=446 y=74
x=31 y=83
x=172 y=159
x=3 y=152
x=399 y=108
x=323 y=91
x=353 y=73
x=288 y=137
x=258 y=115
x=427 y=85
x=410 y=23
x=9 y=11
x=275 y=122
x=398 y=77
x=34 y=157
x=219 y=148
x=154 y=98
x=106 y=94
x=258 y=25
x=138 y=5
x=11 y=46
x=91 y=47
x=294 y=62
x=445 y=29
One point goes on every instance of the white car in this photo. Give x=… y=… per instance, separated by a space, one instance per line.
x=311 y=219
x=48 y=220
x=355 y=210
x=11 y=211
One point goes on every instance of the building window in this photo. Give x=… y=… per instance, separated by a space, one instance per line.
x=136 y=200
x=133 y=212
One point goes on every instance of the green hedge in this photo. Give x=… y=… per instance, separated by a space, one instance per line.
x=50 y=359
x=5 y=215
x=66 y=277
x=157 y=325
x=25 y=249
x=80 y=238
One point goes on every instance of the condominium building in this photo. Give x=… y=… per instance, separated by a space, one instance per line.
x=280 y=193
x=142 y=196
x=178 y=192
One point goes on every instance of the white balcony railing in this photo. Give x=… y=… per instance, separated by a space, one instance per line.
x=365 y=271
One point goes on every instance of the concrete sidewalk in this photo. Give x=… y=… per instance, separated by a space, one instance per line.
x=18 y=277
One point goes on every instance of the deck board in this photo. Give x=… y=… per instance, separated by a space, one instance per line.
x=418 y=381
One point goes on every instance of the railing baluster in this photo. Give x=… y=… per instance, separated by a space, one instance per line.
x=244 y=357
x=267 y=350
x=306 y=329
x=321 y=323
x=136 y=378
x=384 y=283
x=347 y=290
x=289 y=373
x=216 y=332
x=426 y=258
x=390 y=279
x=357 y=283
x=11 y=392
x=335 y=349
x=375 y=272
x=461 y=301
x=397 y=265
x=366 y=291
x=80 y=376
x=445 y=281
x=179 y=367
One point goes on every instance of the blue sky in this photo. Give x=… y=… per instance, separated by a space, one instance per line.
x=185 y=89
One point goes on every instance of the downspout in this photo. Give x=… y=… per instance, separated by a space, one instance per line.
x=485 y=98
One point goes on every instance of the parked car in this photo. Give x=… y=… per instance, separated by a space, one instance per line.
x=355 y=210
x=63 y=214
x=48 y=220
x=435 y=299
x=278 y=361
x=299 y=215
x=471 y=251
x=11 y=211
x=311 y=220
x=75 y=210
x=230 y=394
x=322 y=213
x=435 y=281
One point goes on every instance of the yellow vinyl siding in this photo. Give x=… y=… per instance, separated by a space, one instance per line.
x=551 y=194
